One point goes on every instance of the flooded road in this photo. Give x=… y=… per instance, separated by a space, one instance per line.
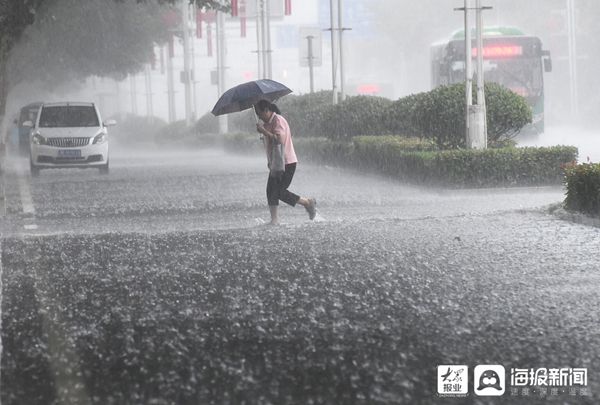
x=161 y=283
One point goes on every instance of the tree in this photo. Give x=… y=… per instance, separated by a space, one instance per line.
x=54 y=40
x=14 y=17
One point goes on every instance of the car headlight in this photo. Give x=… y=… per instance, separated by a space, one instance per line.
x=100 y=138
x=38 y=139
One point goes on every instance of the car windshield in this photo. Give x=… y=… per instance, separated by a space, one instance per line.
x=69 y=116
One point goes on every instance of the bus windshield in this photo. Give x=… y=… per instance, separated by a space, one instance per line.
x=521 y=75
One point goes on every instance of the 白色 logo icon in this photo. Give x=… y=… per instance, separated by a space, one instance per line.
x=489 y=380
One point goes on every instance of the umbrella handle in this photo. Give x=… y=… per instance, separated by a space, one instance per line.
x=256 y=118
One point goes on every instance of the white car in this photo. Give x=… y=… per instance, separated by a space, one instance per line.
x=68 y=135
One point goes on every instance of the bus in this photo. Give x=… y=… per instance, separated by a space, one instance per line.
x=510 y=58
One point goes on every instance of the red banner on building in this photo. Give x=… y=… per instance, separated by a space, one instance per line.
x=234 y=8
x=288 y=7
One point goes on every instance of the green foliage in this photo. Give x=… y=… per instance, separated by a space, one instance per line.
x=304 y=112
x=71 y=39
x=398 y=143
x=241 y=142
x=583 y=188
x=398 y=117
x=74 y=40
x=174 y=132
x=324 y=151
x=207 y=124
x=439 y=115
x=357 y=115
x=500 y=167
x=244 y=121
x=507 y=112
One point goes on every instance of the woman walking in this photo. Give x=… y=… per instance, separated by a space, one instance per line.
x=275 y=129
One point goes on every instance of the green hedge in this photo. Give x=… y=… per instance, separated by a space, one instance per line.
x=420 y=163
x=500 y=167
x=357 y=115
x=305 y=112
x=583 y=188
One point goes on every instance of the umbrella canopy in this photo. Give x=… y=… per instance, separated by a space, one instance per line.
x=244 y=96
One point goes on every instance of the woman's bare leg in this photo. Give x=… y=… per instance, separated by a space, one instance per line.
x=274 y=210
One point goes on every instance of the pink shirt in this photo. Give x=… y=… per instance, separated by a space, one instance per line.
x=278 y=125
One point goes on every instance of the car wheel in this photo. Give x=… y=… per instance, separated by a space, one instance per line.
x=34 y=170
x=104 y=169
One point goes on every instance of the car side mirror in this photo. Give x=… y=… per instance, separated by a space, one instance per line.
x=27 y=124
x=110 y=123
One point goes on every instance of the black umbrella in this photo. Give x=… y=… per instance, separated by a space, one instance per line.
x=244 y=96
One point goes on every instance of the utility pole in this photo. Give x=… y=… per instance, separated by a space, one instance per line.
x=268 y=32
x=310 y=63
x=258 y=38
x=133 y=95
x=571 y=35
x=263 y=39
x=170 y=87
x=476 y=124
x=221 y=57
x=149 y=108
x=333 y=53
x=186 y=61
x=340 y=37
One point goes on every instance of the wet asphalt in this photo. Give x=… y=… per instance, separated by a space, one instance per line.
x=164 y=274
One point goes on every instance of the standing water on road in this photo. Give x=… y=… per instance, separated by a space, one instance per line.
x=156 y=285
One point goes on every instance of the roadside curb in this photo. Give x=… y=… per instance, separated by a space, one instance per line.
x=500 y=190
x=577 y=218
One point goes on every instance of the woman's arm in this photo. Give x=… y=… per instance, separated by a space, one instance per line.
x=260 y=128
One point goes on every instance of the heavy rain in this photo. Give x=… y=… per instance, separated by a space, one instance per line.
x=161 y=281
